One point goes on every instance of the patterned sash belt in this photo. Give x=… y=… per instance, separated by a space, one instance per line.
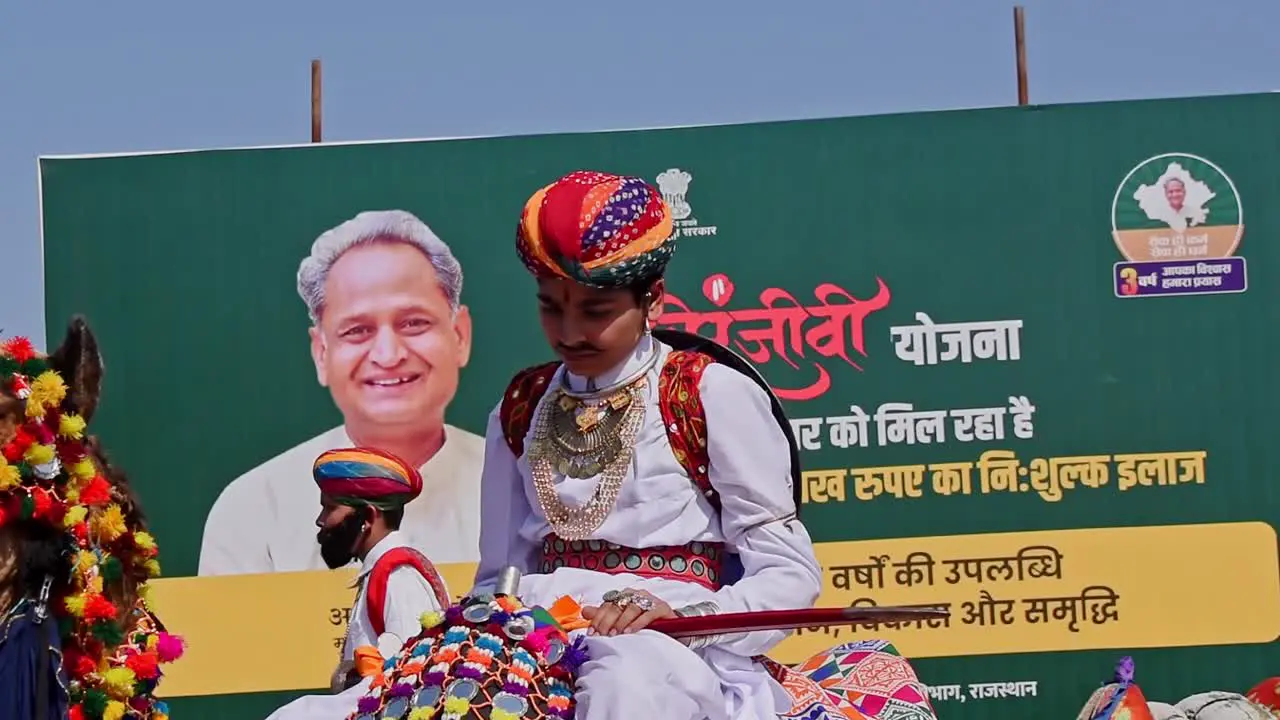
x=697 y=562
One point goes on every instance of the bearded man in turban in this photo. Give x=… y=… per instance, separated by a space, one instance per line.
x=363 y=493
x=639 y=477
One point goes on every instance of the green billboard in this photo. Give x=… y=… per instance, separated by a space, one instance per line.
x=1021 y=349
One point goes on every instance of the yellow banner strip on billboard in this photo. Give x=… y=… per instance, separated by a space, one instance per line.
x=1122 y=588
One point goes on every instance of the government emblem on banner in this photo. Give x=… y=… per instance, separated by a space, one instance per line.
x=1178 y=221
x=673 y=183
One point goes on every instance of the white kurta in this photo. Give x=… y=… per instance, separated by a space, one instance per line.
x=409 y=595
x=648 y=675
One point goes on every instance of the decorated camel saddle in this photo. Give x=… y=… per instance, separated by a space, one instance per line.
x=492 y=657
x=78 y=639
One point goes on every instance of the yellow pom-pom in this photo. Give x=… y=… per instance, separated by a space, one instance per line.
x=152 y=567
x=74 y=516
x=144 y=592
x=118 y=682
x=159 y=716
x=500 y=714
x=113 y=711
x=430 y=619
x=71 y=426
x=457 y=706
x=109 y=524
x=94 y=585
x=47 y=391
x=75 y=605
x=10 y=476
x=422 y=713
x=84 y=469
x=39 y=454
x=152 y=640
x=85 y=561
x=144 y=541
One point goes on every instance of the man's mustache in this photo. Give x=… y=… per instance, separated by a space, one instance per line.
x=578 y=348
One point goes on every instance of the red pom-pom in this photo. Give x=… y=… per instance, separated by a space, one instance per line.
x=81 y=533
x=145 y=665
x=17 y=447
x=97 y=607
x=19 y=348
x=77 y=663
x=70 y=449
x=75 y=712
x=23 y=437
x=56 y=512
x=43 y=504
x=97 y=492
x=43 y=433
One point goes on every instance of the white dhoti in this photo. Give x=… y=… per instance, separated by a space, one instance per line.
x=324 y=707
x=648 y=675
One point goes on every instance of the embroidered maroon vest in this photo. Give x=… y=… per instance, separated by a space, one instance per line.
x=680 y=404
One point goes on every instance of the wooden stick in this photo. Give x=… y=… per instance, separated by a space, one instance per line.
x=315 y=101
x=726 y=623
x=1020 y=44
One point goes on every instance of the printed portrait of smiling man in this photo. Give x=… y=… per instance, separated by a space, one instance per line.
x=389 y=336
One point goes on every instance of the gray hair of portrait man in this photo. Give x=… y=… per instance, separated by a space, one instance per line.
x=369 y=227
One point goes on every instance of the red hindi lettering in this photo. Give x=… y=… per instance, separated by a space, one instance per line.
x=779 y=329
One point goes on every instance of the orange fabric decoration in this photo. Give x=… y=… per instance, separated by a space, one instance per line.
x=368 y=661
x=568 y=613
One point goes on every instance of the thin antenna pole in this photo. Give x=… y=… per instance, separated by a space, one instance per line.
x=315 y=101
x=1020 y=43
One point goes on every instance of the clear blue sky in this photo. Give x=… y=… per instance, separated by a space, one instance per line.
x=84 y=77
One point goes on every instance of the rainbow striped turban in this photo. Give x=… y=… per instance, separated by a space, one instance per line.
x=597 y=229
x=364 y=476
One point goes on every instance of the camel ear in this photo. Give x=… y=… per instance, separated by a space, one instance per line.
x=79 y=363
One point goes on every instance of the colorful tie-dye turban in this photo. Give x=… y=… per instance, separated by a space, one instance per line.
x=597 y=229
x=364 y=476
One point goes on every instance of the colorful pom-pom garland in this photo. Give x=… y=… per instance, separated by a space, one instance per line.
x=487 y=657
x=112 y=655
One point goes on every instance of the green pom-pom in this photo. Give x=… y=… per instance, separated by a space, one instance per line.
x=108 y=633
x=34 y=367
x=9 y=366
x=111 y=569
x=28 y=507
x=95 y=703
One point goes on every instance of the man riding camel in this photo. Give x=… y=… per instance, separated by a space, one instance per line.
x=643 y=480
x=363 y=493
x=646 y=475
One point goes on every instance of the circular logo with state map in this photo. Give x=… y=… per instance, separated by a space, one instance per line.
x=1176 y=206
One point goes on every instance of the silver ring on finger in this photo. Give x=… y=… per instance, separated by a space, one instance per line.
x=618 y=599
x=644 y=602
